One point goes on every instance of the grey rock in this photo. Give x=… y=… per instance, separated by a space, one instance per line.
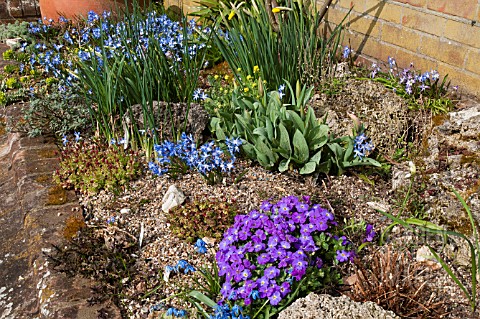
x=13 y=43
x=328 y=307
x=172 y=198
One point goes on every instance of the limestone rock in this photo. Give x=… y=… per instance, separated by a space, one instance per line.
x=328 y=307
x=172 y=198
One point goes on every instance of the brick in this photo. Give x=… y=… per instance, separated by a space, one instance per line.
x=467 y=82
x=379 y=50
x=420 y=62
x=445 y=51
x=345 y=4
x=370 y=27
x=463 y=32
x=402 y=37
x=337 y=15
x=415 y=3
x=421 y=21
x=462 y=8
x=472 y=63
x=391 y=13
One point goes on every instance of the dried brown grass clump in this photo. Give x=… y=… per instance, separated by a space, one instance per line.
x=390 y=279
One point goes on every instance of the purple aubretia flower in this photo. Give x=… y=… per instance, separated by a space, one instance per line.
x=342 y=255
x=369 y=233
x=268 y=252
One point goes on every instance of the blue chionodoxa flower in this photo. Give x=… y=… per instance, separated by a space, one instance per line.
x=362 y=146
x=201 y=246
x=174 y=312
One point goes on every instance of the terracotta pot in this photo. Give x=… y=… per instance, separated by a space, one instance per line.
x=53 y=9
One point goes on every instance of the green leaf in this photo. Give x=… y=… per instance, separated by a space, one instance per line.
x=317 y=157
x=284 y=140
x=269 y=128
x=249 y=149
x=283 y=166
x=220 y=133
x=264 y=149
x=349 y=151
x=297 y=120
x=300 y=148
x=308 y=168
x=260 y=131
x=202 y=298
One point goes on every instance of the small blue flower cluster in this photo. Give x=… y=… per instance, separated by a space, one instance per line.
x=199 y=94
x=375 y=70
x=209 y=158
x=346 y=52
x=100 y=33
x=281 y=88
x=182 y=264
x=412 y=81
x=174 y=312
x=265 y=253
x=423 y=81
x=362 y=146
x=224 y=312
x=201 y=246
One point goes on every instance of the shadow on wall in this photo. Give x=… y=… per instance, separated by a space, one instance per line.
x=375 y=12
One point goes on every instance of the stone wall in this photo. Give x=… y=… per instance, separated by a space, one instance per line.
x=433 y=34
x=11 y=10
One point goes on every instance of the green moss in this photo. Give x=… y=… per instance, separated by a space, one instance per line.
x=470 y=159
x=3 y=126
x=72 y=226
x=43 y=179
x=440 y=119
x=51 y=153
x=56 y=196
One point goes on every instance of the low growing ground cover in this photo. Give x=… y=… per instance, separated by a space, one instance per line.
x=281 y=197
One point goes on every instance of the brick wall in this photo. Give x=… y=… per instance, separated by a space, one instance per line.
x=18 y=9
x=433 y=34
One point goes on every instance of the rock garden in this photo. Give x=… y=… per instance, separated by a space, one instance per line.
x=243 y=164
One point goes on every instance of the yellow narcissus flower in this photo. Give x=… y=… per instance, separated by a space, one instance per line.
x=256 y=69
x=216 y=77
x=226 y=77
x=278 y=9
x=231 y=15
x=239 y=69
x=246 y=90
x=249 y=77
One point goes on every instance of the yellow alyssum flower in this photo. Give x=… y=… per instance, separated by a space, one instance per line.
x=256 y=69
x=231 y=15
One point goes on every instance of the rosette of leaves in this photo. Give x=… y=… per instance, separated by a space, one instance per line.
x=201 y=218
x=286 y=136
x=91 y=166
